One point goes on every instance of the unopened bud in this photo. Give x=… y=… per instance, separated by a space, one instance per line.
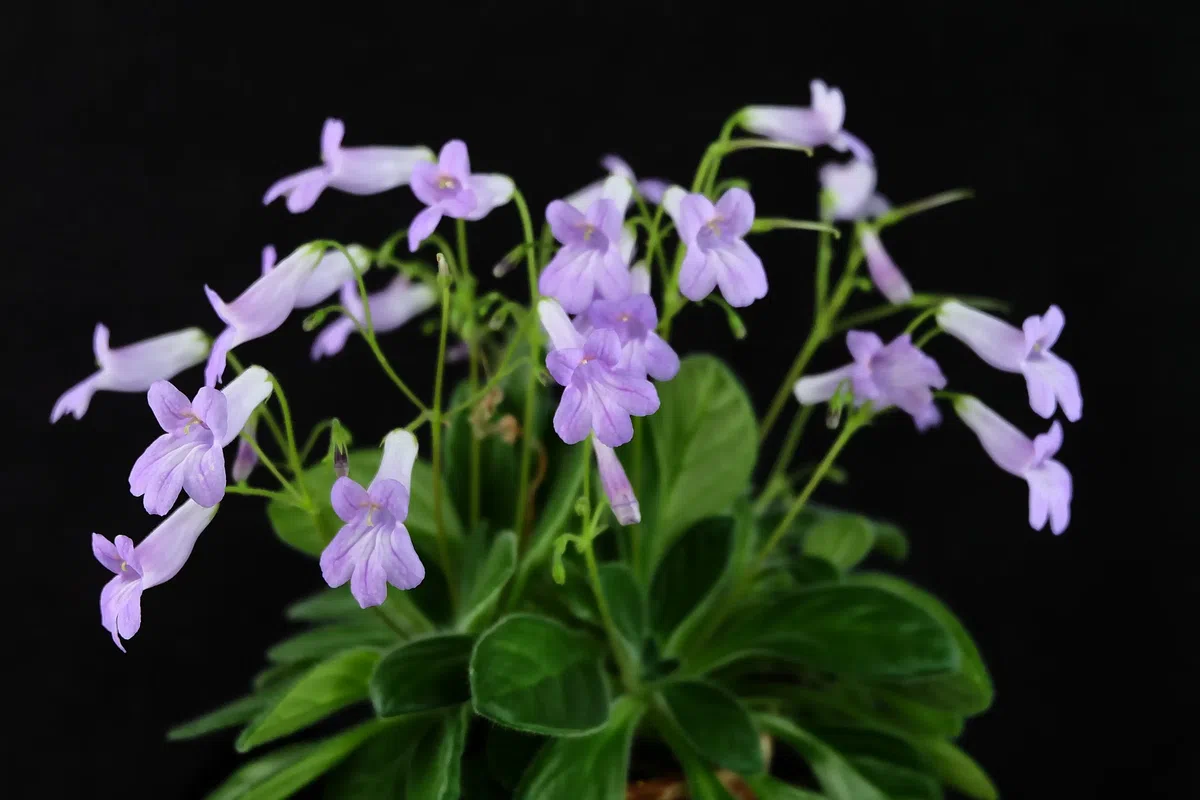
x=341 y=461
x=443 y=271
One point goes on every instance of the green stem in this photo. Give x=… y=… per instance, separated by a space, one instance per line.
x=250 y=491
x=482 y=391
x=460 y=231
x=301 y=500
x=469 y=331
x=824 y=257
x=635 y=531
x=311 y=442
x=262 y=411
x=293 y=454
x=628 y=673
x=911 y=328
x=767 y=224
x=527 y=432
x=436 y=426
x=924 y=340
x=786 y=453
x=815 y=337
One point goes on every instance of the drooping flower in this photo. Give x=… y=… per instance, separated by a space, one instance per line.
x=896 y=374
x=246 y=459
x=1049 y=481
x=599 y=395
x=886 y=276
x=374 y=548
x=621 y=498
x=717 y=255
x=190 y=454
x=642 y=350
x=650 y=188
x=449 y=189
x=156 y=560
x=812 y=126
x=1050 y=380
x=590 y=260
x=355 y=170
x=132 y=368
x=849 y=191
x=261 y=308
x=331 y=272
x=391 y=308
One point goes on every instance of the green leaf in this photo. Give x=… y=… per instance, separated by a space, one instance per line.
x=897 y=782
x=847 y=630
x=705 y=444
x=421 y=675
x=593 y=767
x=768 y=788
x=957 y=769
x=499 y=462
x=376 y=771
x=310 y=534
x=277 y=675
x=689 y=572
x=554 y=516
x=890 y=540
x=625 y=603
x=841 y=539
x=715 y=724
x=809 y=569
x=701 y=780
x=281 y=773
x=329 y=639
x=330 y=686
x=838 y=779
x=534 y=674
x=855 y=741
x=510 y=752
x=327 y=605
x=227 y=716
x=489 y=582
x=968 y=689
x=435 y=767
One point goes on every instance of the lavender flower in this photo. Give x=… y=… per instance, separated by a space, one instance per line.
x=1049 y=481
x=621 y=498
x=590 y=260
x=449 y=189
x=849 y=191
x=897 y=374
x=355 y=170
x=812 y=126
x=373 y=548
x=260 y=309
x=886 y=276
x=599 y=395
x=156 y=560
x=391 y=308
x=642 y=350
x=716 y=252
x=1050 y=380
x=651 y=188
x=190 y=454
x=132 y=368
x=246 y=459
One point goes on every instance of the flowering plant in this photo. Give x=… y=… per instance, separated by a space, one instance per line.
x=572 y=575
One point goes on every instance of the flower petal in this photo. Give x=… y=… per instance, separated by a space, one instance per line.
x=423 y=224
x=813 y=389
x=399 y=455
x=1010 y=449
x=558 y=325
x=994 y=340
x=164 y=552
x=171 y=407
x=573 y=417
x=348 y=498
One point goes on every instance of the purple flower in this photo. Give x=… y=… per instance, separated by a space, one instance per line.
x=896 y=374
x=390 y=308
x=156 y=560
x=246 y=459
x=599 y=395
x=716 y=253
x=132 y=368
x=643 y=352
x=260 y=309
x=651 y=188
x=590 y=260
x=1050 y=380
x=813 y=126
x=621 y=498
x=373 y=548
x=449 y=189
x=849 y=190
x=356 y=170
x=1049 y=481
x=190 y=454
x=884 y=273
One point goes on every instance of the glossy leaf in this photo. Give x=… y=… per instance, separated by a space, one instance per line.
x=227 y=716
x=283 y=772
x=326 y=640
x=555 y=514
x=715 y=724
x=592 y=767
x=968 y=689
x=702 y=781
x=841 y=539
x=327 y=605
x=489 y=582
x=330 y=686
x=848 y=630
x=767 y=787
x=435 y=767
x=499 y=461
x=705 y=444
x=625 y=603
x=809 y=569
x=510 y=752
x=689 y=572
x=534 y=674
x=377 y=769
x=839 y=780
x=897 y=782
x=422 y=675
x=957 y=769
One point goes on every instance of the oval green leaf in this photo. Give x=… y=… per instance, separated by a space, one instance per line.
x=839 y=780
x=422 y=675
x=592 y=767
x=716 y=725
x=489 y=582
x=435 y=768
x=689 y=572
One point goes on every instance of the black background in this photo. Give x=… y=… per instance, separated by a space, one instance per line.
x=139 y=145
